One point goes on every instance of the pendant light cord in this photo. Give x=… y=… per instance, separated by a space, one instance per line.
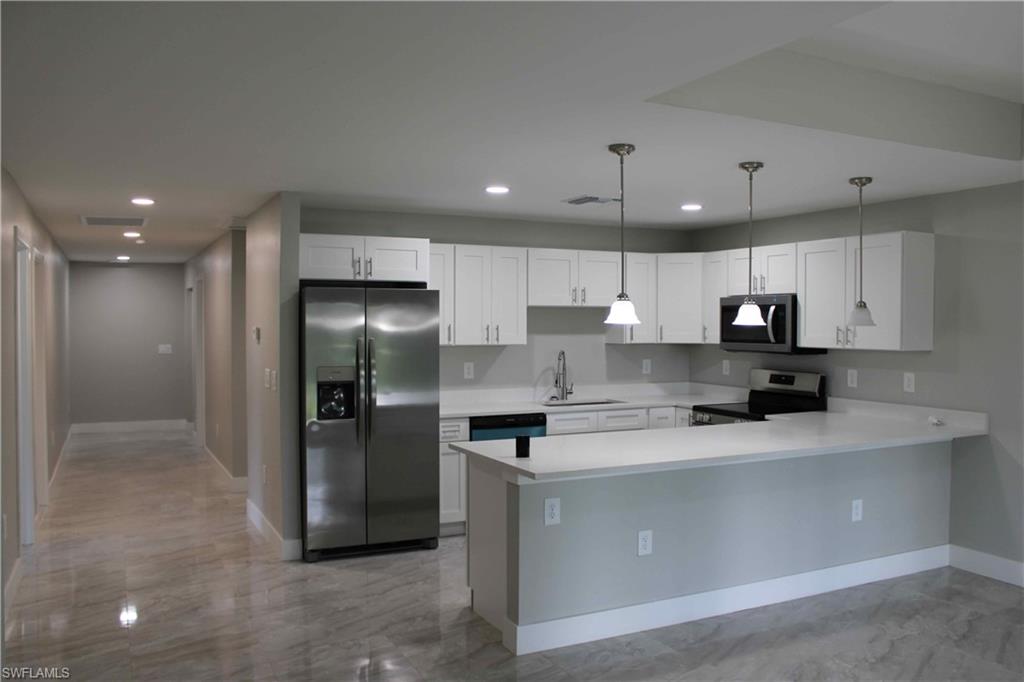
x=622 y=219
x=750 y=234
x=860 y=216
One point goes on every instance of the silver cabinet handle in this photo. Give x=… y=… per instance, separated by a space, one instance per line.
x=369 y=268
x=487 y=333
x=449 y=332
x=848 y=341
x=704 y=333
x=583 y=295
x=574 y=295
x=753 y=283
x=839 y=336
x=762 y=284
x=497 y=333
x=661 y=332
x=359 y=267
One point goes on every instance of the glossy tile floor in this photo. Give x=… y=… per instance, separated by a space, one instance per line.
x=145 y=569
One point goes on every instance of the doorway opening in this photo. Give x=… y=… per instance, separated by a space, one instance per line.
x=197 y=314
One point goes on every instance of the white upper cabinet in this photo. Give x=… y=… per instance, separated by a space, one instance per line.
x=821 y=293
x=347 y=257
x=490 y=295
x=508 y=295
x=442 y=280
x=642 y=287
x=774 y=270
x=680 y=298
x=554 y=277
x=714 y=286
x=600 y=278
x=562 y=277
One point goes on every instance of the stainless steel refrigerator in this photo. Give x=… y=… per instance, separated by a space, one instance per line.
x=369 y=418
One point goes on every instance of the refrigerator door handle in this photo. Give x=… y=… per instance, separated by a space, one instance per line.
x=371 y=403
x=360 y=385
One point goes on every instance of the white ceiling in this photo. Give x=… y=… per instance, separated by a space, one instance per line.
x=209 y=108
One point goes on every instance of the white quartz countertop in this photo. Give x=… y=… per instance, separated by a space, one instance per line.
x=854 y=426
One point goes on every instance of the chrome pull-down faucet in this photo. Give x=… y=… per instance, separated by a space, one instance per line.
x=564 y=389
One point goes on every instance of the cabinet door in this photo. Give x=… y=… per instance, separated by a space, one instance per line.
x=775 y=267
x=661 y=418
x=679 y=298
x=714 y=285
x=642 y=287
x=330 y=256
x=452 y=485
x=472 y=295
x=600 y=278
x=738 y=269
x=553 y=277
x=883 y=256
x=821 y=293
x=397 y=259
x=682 y=417
x=571 y=422
x=508 y=295
x=442 y=279
x=622 y=420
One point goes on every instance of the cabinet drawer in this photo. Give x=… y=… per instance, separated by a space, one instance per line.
x=572 y=422
x=661 y=418
x=622 y=420
x=454 y=430
x=682 y=416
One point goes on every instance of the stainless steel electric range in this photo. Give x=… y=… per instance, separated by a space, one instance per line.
x=771 y=392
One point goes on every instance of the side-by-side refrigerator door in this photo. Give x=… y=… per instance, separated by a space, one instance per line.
x=333 y=397
x=402 y=414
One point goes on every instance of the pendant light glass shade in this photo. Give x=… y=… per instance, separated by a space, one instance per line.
x=622 y=310
x=749 y=314
x=860 y=316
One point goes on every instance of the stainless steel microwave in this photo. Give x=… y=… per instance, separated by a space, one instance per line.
x=777 y=336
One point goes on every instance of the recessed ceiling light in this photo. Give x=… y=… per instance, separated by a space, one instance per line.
x=497 y=189
x=140 y=241
x=124 y=258
x=691 y=207
x=143 y=201
x=132 y=234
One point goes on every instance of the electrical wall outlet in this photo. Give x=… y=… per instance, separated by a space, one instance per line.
x=552 y=511
x=645 y=366
x=266 y=377
x=851 y=378
x=908 y=382
x=467 y=370
x=164 y=349
x=645 y=543
x=726 y=368
x=857 y=510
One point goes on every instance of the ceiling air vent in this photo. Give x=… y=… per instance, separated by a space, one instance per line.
x=101 y=221
x=588 y=199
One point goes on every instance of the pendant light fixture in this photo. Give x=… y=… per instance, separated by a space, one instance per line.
x=622 y=310
x=749 y=314
x=860 y=316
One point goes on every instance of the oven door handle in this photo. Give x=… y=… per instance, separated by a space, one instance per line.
x=771 y=316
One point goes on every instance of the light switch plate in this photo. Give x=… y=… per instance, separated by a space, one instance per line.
x=851 y=378
x=645 y=543
x=266 y=377
x=467 y=370
x=164 y=349
x=726 y=367
x=857 y=510
x=908 y=382
x=552 y=511
x=645 y=366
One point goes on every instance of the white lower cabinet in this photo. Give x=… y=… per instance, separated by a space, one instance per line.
x=452 y=472
x=661 y=418
x=682 y=416
x=571 y=422
x=622 y=420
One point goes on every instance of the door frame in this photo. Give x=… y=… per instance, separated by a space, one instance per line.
x=198 y=362
x=24 y=286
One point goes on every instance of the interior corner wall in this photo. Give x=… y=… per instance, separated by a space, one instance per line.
x=52 y=339
x=120 y=315
x=976 y=363
x=221 y=269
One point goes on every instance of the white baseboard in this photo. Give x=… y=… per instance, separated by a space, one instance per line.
x=131 y=427
x=12 y=586
x=290 y=550
x=236 y=484
x=988 y=565
x=525 y=639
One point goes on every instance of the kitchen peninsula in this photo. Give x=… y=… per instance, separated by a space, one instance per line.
x=688 y=523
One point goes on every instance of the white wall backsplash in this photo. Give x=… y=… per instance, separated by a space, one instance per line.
x=580 y=332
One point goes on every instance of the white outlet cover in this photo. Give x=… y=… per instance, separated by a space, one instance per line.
x=467 y=370
x=857 y=510
x=164 y=349
x=266 y=377
x=909 y=382
x=646 y=366
x=851 y=378
x=552 y=511
x=645 y=543
x=726 y=367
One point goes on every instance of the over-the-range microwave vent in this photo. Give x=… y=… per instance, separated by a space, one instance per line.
x=588 y=199
x=109 y=221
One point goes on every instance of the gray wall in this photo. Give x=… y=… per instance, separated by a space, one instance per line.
x=119 y=314
x=977 y=360
x=718 y=527
x=580 y=332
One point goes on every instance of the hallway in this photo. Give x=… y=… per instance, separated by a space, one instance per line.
x=145 y=569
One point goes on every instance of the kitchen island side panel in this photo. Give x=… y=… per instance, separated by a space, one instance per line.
x=720 y=527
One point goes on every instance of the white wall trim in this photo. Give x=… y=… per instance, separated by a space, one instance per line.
x=60 y=460
x=11 y=588
x=988 y=565
x=236 y=484
x=132 y=426
x=290 y=550
x=524 y=639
